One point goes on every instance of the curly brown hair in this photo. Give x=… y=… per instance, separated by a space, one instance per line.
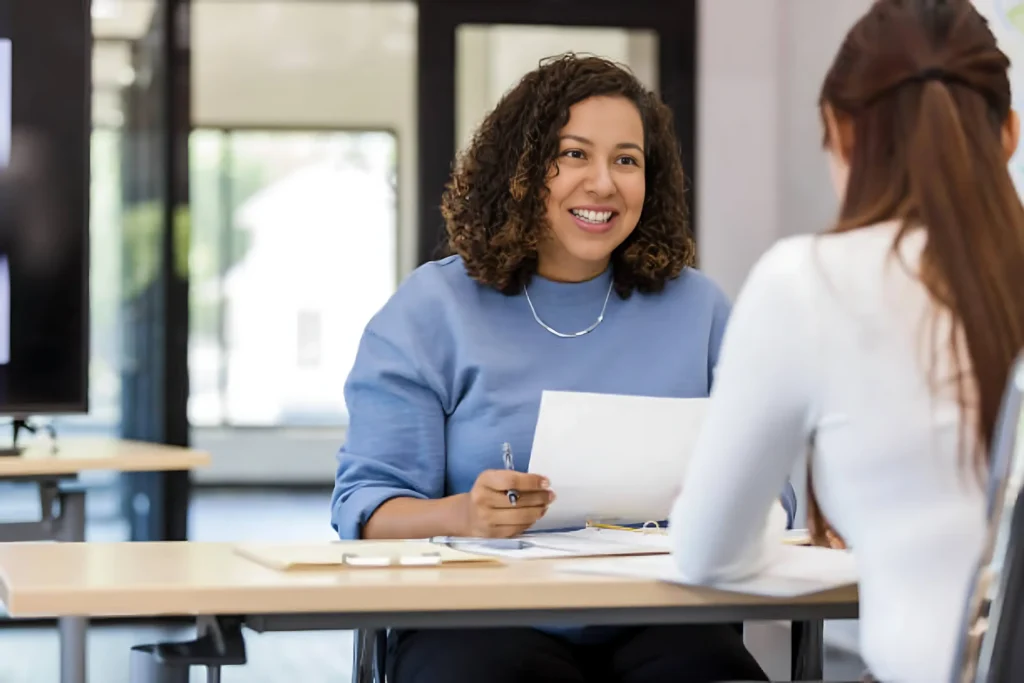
x=495 y=203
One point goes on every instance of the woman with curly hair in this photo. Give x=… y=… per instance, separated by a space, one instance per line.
x=571 y=271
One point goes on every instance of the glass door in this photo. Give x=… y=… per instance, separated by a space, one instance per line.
x=471 y=53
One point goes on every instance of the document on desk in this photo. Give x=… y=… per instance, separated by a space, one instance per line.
x=613 y=459
x=794 y=571
x=579 y=543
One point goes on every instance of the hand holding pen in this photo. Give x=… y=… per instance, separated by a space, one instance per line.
x=510 y=465
x=505 y=503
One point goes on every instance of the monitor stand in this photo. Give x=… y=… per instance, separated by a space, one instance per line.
x=23 y=423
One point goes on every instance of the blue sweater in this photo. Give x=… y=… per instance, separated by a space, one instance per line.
x=449 y=369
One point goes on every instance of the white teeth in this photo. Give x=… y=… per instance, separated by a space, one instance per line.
x=593 y=216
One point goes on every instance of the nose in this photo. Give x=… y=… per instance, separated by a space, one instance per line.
x=599 y=181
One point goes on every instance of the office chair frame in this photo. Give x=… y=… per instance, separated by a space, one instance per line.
x=982 y=652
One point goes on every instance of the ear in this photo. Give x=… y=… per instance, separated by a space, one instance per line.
x=840 y=134
x=1011 y=134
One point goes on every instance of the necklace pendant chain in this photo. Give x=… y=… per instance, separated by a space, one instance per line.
x=572 y=335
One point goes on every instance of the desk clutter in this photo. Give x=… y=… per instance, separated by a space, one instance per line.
x=592 y=542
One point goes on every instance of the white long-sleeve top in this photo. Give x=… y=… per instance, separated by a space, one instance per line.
x=829 y=349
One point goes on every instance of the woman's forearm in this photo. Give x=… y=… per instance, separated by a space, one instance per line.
x=416 y=518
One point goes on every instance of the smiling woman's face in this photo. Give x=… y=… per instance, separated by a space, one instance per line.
x=596 y=190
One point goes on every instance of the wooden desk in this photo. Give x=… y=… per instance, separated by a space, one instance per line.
x=51 y=472
x=210 y=580
x=79 y=455
x=132 y=579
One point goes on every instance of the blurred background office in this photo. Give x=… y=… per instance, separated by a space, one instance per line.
x=265 y=172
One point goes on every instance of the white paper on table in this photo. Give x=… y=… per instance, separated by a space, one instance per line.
x=794 y=571
x=610 y=458
x=579 y=543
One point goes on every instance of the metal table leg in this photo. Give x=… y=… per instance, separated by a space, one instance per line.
x=808 y=650
x=364 y=641
x=71 y=528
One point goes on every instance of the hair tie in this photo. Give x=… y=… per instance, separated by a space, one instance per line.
x=931 y=73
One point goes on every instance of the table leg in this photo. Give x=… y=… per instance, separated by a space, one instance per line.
x=72 y=630
x=364 y=641
x=808 y=650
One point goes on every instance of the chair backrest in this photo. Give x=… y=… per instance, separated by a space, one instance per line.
x=994 y=615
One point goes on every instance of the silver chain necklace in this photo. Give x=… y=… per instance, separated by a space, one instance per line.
x=573 y=335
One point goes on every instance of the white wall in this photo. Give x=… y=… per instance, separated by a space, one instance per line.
x=762 y=174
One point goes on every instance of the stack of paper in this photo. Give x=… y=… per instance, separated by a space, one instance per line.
x=613 y=459
x=795 y=571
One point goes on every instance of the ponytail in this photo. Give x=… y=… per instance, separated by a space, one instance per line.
x=974 y=254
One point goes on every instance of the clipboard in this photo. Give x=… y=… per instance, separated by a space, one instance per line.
x=359 y=555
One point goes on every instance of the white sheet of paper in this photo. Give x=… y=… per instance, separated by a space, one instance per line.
x=795 y=571
x=610 y=458
x=579 y=543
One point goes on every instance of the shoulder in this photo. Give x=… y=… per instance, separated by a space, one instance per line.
x=806 y=266
x=695 y=287
x=426 y=297
x=784 y=277
x=801 y=274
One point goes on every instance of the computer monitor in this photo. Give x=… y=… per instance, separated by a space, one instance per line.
x=44 y=182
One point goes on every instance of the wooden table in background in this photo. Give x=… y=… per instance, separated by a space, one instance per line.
x=63 y=505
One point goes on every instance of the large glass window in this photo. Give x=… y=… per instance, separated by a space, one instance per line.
x=303 y=220
x=293 y=249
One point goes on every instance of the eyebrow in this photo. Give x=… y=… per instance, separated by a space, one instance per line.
x=621 y=145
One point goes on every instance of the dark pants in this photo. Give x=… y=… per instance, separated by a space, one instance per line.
x=698 y=653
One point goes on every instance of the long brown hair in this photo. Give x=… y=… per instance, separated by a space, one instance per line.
x=923 y=88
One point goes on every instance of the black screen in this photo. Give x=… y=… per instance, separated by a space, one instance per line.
x=45 y=87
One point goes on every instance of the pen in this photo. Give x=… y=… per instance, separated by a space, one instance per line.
x=506 y=455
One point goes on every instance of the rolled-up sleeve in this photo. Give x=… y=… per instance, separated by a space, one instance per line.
x=395 y=446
